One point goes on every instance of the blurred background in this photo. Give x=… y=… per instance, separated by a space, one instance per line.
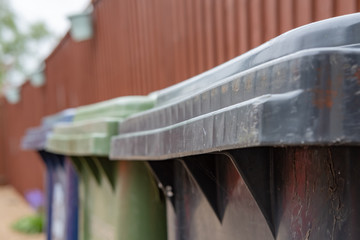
x=135 y=47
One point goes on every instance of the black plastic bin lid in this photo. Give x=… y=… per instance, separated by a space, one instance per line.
x=301 y=88
x=333 y=32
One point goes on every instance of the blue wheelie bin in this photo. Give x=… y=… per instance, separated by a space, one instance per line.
x=61 y=180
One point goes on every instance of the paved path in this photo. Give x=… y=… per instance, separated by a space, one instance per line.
x=12 y=208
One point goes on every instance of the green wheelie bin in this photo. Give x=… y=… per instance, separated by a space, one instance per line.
x=118 y=199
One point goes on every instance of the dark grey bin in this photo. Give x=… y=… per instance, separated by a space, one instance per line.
x=265 y=146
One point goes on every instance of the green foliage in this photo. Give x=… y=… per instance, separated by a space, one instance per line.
x=38 y=31
x=30 y=225
x=15 y=42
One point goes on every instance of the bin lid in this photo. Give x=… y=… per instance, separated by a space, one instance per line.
x=35 y=138
x=63 y=116
x=90 y=132
x=333 y=32
x=301 y=88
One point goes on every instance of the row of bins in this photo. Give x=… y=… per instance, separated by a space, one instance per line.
x=265 y=146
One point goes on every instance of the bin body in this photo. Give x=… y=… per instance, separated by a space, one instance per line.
x=133 y=209
x=262 y=147
x=98 y=205
x=317 y=190
x=118 y=200
x=62 y=197
x=137 y=183
x=61 y=181
x=236 y=215
x=314 y=193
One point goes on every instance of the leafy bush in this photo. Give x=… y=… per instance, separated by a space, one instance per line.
x=30 y=224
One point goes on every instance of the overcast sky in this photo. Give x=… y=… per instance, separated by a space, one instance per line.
x=54 y=14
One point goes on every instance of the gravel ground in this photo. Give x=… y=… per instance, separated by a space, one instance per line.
x=12 y=208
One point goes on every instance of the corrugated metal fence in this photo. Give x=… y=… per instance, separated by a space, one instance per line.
x=144 y=45
x=2 y=144
x=23 y=168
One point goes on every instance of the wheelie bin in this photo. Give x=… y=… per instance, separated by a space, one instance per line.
x=265 y=146
x=61 y=204
x=118 y=200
